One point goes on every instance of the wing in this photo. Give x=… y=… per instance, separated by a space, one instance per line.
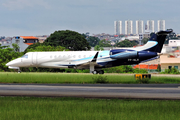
x=86 y=64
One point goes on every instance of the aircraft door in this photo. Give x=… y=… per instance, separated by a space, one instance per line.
x=34 y=58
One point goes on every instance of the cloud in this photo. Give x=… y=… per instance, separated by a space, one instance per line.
x=22 y=4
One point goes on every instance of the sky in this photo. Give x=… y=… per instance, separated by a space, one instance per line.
x=43 y=17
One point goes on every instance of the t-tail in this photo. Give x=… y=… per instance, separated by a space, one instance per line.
x=156 y=41
x=150 y=51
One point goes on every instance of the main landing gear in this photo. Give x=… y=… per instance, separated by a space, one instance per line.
x=92 y=70
x=96 y=72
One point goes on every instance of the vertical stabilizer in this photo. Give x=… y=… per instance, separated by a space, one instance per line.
x=156 y=41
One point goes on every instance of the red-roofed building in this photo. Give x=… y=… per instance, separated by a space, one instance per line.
x=29 y=40
x=148 y=67
x=177 y=51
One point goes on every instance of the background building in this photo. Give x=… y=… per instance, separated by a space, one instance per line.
x=128 y=27
x=168 y=63
x=150 y=25
x=139 y=26
x=161 y=25
x=22 y=41
x=118 y=27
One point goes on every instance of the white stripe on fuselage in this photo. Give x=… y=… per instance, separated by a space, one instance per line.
x=148 y=45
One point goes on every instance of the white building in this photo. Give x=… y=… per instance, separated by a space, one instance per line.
x=22 y=41
x=130 y=37
x=128 y=27
x=161 y=25
x=174 y=43
x=150 y=25
x=139 y=26
x=118 y=27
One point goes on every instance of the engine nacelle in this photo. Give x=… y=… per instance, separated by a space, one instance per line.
x=123 y=54
x=145 y=55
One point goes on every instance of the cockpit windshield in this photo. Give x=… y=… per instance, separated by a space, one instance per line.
x=25 y=56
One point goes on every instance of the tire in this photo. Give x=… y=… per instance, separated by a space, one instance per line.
x=95 y=72
x=101 y=72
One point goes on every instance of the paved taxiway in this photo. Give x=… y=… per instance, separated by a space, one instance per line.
x=136 y=91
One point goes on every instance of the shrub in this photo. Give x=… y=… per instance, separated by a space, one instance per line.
x=100 y=79
x=171 y=71
x=143 y=80
x=159 y=68
x=83 y=71
x=137 y=70
x=119 y=69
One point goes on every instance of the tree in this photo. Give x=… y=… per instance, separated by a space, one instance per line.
x=93 y=41
x=69 y=39
x=105 y=43
x=98 y=48
x=172 y=35
x=144 y=40
x=126 y=43
x=46 y=48
x=33 y=46
x=84 y=35
x=6 y=55
x=134 y=42
x=15 y=47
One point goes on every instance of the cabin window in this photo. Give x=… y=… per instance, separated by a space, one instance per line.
x=55 y=56
x=51 y=56
x=74 y=56
x=24 y=56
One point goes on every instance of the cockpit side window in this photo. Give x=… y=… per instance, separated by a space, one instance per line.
x=25 y=56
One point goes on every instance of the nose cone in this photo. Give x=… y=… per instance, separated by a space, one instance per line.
x=14 y=63
x=8 y=64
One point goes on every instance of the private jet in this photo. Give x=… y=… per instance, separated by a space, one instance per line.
x=93 y=60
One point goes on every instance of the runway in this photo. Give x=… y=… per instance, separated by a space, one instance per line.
x=121 y=91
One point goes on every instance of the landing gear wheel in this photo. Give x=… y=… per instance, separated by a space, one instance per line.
x=101 y=72
x=19 y=70
x=94 y=72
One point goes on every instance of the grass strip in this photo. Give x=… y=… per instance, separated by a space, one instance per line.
x=29 y=108
x=77 y=78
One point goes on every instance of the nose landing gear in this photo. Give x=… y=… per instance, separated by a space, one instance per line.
x=19 y=70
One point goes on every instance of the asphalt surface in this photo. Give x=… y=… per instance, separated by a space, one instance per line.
x=122 y=91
